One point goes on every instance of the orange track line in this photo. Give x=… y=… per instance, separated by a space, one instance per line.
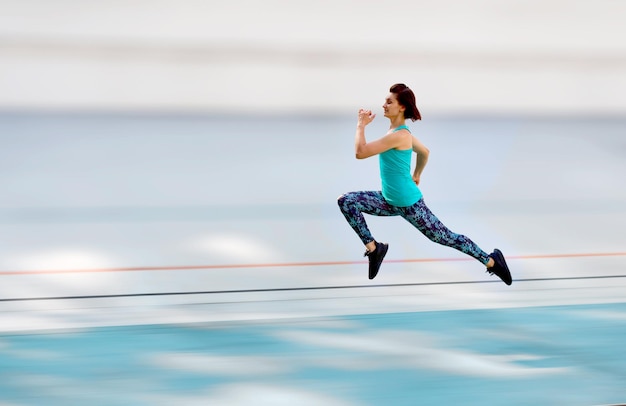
x=297 y=264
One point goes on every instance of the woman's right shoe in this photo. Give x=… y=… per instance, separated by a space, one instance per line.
x=500 y=268
x=376 y=258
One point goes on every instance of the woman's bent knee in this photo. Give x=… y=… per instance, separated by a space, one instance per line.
x=341 y=200
x=345 y=198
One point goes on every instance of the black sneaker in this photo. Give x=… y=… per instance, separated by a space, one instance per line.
x=500 y=269
x=376 y=258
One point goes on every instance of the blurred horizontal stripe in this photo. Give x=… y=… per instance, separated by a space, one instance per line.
x=210 y=213
x=326 y=55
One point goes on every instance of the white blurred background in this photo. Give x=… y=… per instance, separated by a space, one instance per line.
x=537 y=57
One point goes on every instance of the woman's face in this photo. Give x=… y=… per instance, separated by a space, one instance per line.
x=391 y=107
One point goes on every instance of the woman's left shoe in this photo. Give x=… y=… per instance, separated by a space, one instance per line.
x=500 y=268
x=376 y=258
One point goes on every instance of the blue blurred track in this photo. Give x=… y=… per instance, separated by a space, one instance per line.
x=560 y=355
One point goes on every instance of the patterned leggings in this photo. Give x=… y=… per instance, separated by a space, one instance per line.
x=354 y=204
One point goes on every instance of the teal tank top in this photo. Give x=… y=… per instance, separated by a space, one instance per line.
x=395 y=172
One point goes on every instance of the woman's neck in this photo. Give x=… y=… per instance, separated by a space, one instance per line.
x=397 y=122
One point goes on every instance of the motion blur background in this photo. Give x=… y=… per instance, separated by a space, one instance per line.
x=462 y=57
x=169 y=173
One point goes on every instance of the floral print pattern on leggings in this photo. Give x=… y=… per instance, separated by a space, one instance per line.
x=354 y=204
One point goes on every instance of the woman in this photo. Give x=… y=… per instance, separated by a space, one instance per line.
x=400 y=195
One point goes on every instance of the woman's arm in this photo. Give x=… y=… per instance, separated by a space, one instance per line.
x=420 y=160
x=364 y=149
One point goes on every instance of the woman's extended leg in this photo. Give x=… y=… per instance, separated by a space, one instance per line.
x=354 y=204
x=424 y=220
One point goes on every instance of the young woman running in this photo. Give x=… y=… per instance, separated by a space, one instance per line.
x=400 y=195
